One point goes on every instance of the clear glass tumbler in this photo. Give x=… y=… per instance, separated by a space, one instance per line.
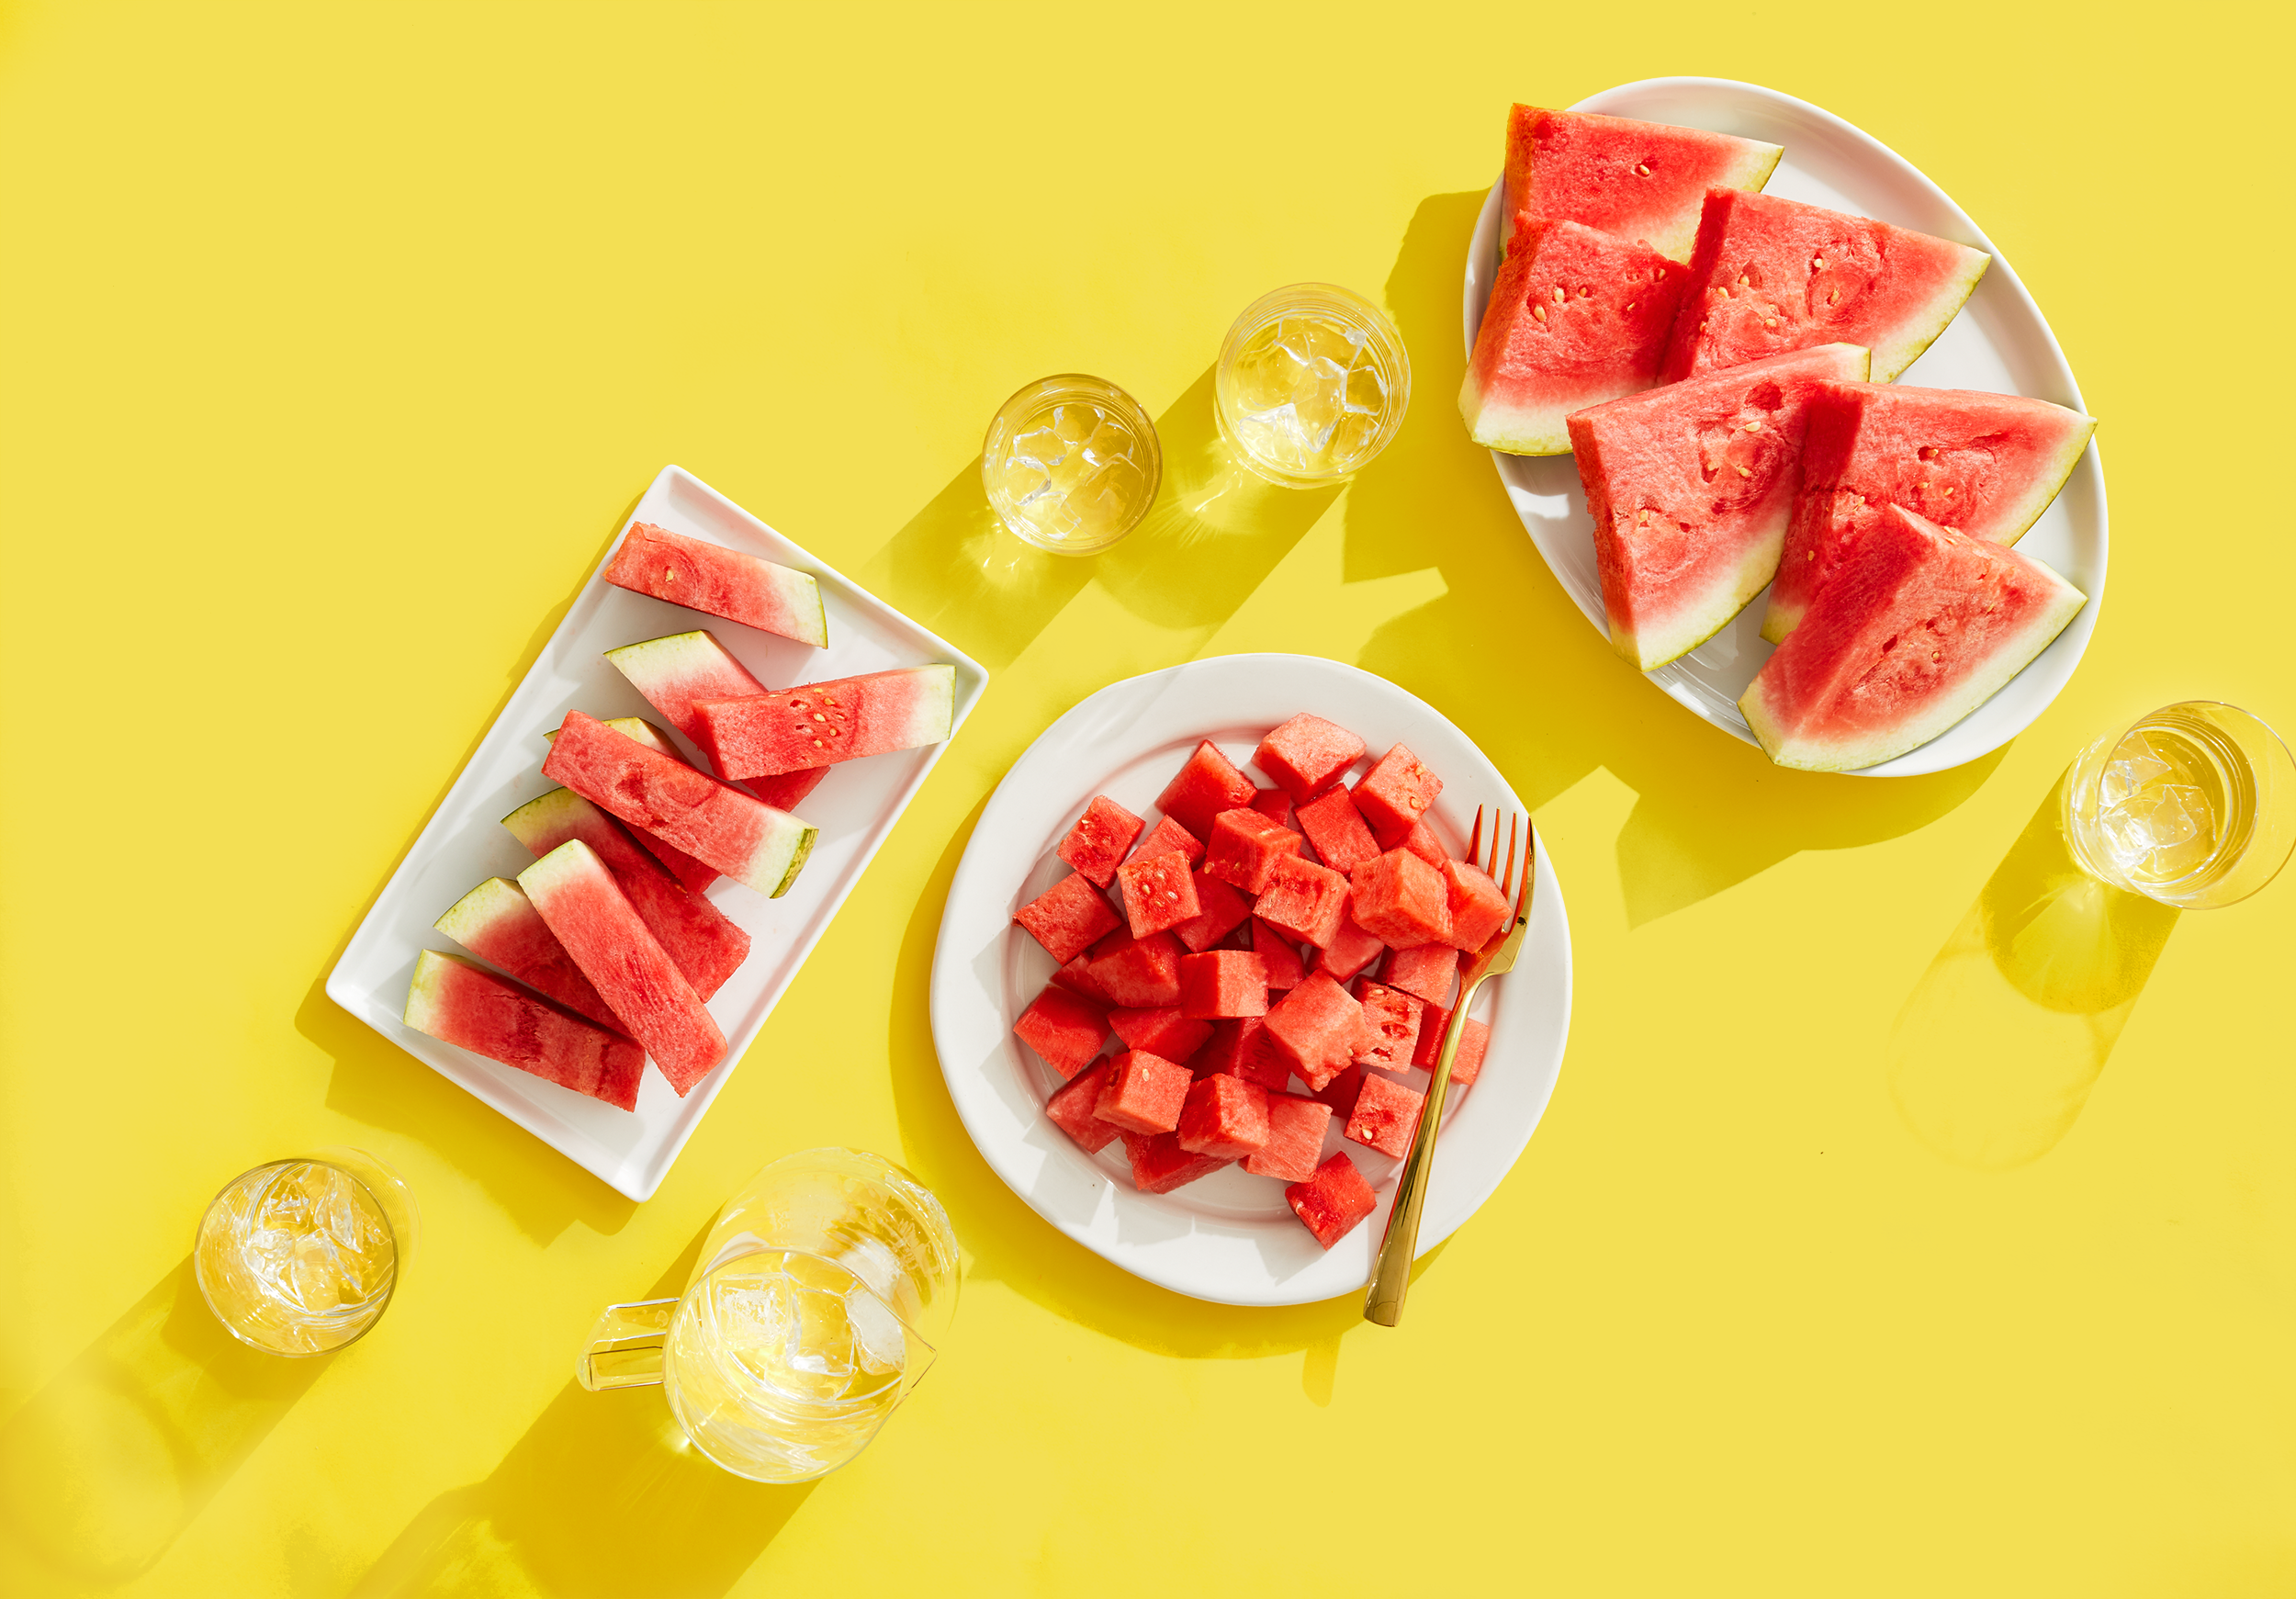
x=1312 y=382
x=819 y=1298
x=301 y=1256
x=2194 y=807
x=1070 y=464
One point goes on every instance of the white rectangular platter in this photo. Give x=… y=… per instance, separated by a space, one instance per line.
x=855 y=808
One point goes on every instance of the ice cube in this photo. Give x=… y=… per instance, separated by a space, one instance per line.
x=880 y=1343
x=1074 y=422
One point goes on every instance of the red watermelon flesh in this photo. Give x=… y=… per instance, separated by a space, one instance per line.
x=1393 y=1017
x=1401 y=900
x=1478 y=909
x=1386 y=1116
x=1160 y=1165
x=1068 y=918
x=1474 y=1039
x=1307 y=755
x=1069 y=1108
x=1304 y=902
x=1165 y=1030
x=578 y=897
x=1575 y=318
x=1066 y=1030
x=1240 y=1048
x=1219 y=911
x=1295 y=1139
x=465 y=1006
x=1337 y=831
x=1095 y=847
x=692 y=875
x=1159 y=892
x=1419 y=838
x=1223 y=1116
x=1986 y=464
x=497 y=922
x=1339 y=1094
x=1244 y=845
x=1917 y=627
x=1637 y=180
x=1396 y=792
x=1351 y=950
x=1166 y=838
x=1078 y=978
x=1206 y=784
x=1220 y=984
x=707 y=577
x=749 y=841
x=1144 y=1093
x=702 y=939
x=1426 y=972
x=1316 y=1028
x=1769 y=275
x=828 y=723
x=1138 y=973
x=1691 y=487
x=1279 y=955
x=1276 y=805
x=1333 y=1203
x=675 y=671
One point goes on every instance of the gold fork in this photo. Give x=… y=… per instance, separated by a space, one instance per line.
x=1390 y=1279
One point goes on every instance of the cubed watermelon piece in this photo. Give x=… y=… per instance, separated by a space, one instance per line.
x=703 y=939
x=1223 y=1116
x=462 y=1004
x=1238 y=1047
x=1295 y=1139
x=1393 y=1018
x=1222 y=982
x=1078 y=978
x=593 y=919
x=1160 y=1165
x=1396 y=792
x=1477 y=908
x=1138 y=973
x=1426 y=972
x=1386 y=1116
x=1161 y=1031
x=1337 y=831
x=1144 y=1093
x=497 y=922
x=731 y=584
x=825 y=724
x=1339 y=1094
x=1245 y=847
x=1474 y=1040
x=1166 y=836
x=1221 y=911
x=1279 y=955
x=1351 y=950
x=1276 y=805
x=1307 y=755
x=1303 y=901
x=1401 y=900
x=1207 y=784
x=1069 y=1108
x=1419 y=839
x=1158 y=894
x=1066 y=1030
x=1316 y=1028
x=1331 y=1203
x=1068 y=918
x=749 y=841
x=1095 y=845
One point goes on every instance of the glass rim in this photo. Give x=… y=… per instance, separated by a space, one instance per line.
x=199 y=1276
x=1049 y=390
x=2201 y=897
x=1379 y=328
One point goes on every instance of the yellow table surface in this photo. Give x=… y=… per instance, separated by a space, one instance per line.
x=338 y=343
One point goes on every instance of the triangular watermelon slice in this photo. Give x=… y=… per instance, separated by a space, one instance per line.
x=1917 y=627
x=1772 y=275
x=1576 y=317
x=1985 y=464
x=1638 y=180
x=1690 y=487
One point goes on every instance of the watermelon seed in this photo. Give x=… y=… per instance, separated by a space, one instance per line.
x=1630 y=305
x=1642 y=169
x=1539 y=311
x=1769 y=322
x=1744 y=473
x=1742 y=280
x=1560 y=296
x=1754 y=426
x=1832 y=296
x=1820 y=264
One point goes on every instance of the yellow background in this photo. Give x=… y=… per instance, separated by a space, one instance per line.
x=339 y=339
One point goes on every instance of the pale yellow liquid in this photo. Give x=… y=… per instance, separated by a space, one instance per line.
x=1307 y=396
x=2172 y=805
x=1072 y=474
x=296 y=1258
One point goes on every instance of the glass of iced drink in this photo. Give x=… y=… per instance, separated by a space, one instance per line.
x=2194 y=807
x=1070 y=464
x=301 y=1256
x=1312 y=382
x=819 y=1300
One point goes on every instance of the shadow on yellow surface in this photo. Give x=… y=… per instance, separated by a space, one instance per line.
x=1711 y=811
x=2045 y=969
x=102 y=1468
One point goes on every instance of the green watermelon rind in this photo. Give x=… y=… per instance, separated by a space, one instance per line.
x=1917 y=332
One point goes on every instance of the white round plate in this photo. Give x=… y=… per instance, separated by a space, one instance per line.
x=2000 y=342
x=1230 y=1236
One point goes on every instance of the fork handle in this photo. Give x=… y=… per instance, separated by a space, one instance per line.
x=1391 y=1278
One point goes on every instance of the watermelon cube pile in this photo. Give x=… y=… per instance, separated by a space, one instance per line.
x=609 y=947
x=1720 y=362
x=1275 y=966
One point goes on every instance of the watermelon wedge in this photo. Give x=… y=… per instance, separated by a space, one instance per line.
x=701 y=937
x=1986 y=464
x=464 y=1005
x=1637 y=180
x=497 y=922
x=1917 y=627
x=765 y=735
x=1770 y=276
x=691 y=873
x=1575 y=318
x=749 y=841
x=1691 y=487
x=674 y=671
x=707 y=577
x=578 y=897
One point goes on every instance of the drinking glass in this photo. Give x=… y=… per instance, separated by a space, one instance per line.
x=1070 y=464
x=301 y=1256
x=817 y=1303
x=2195 y=805
x=1312 y=382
